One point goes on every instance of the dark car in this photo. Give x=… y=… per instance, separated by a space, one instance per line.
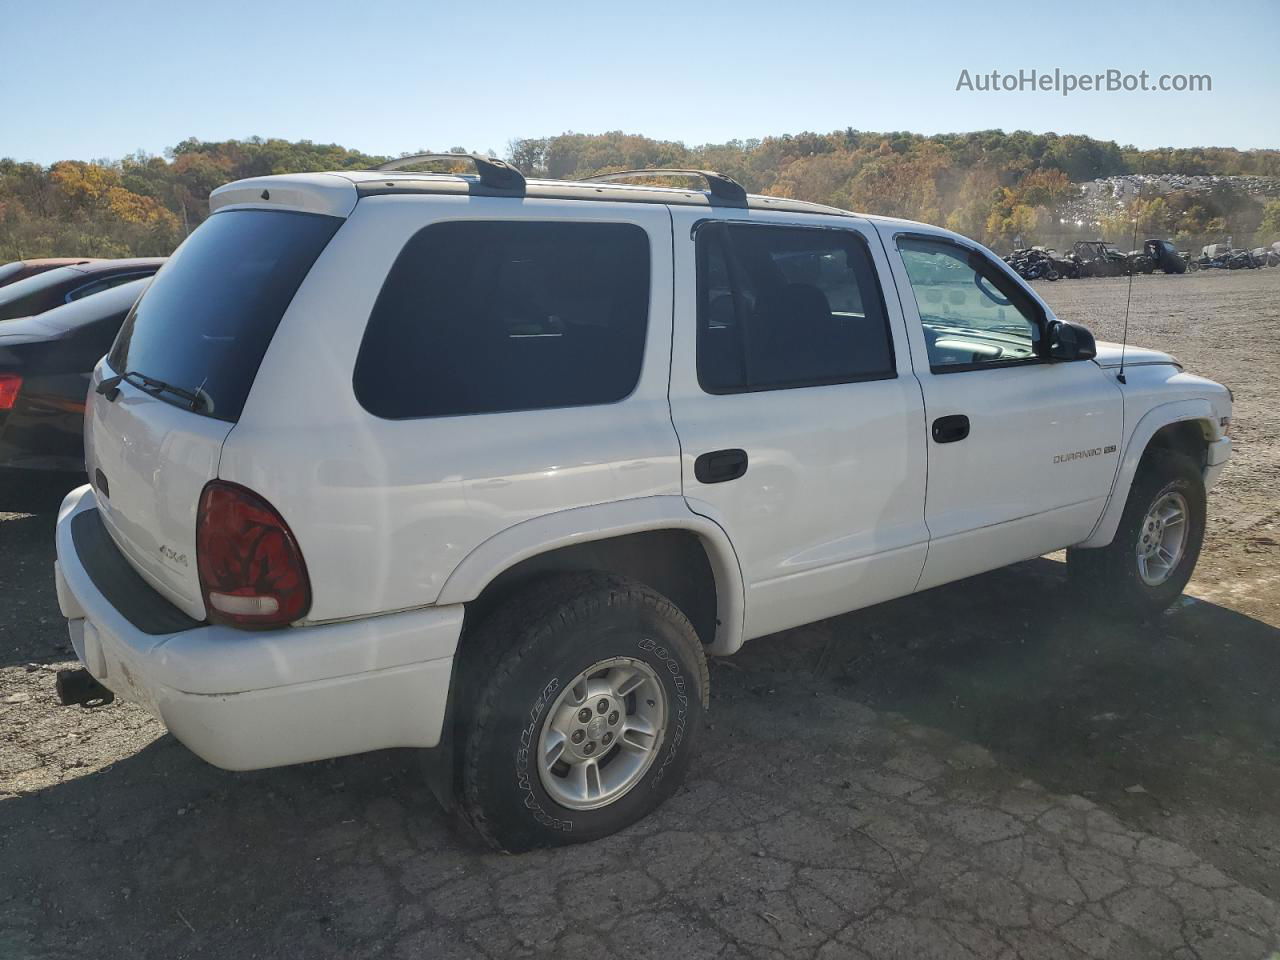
x=53 y=288
x=21 y=269
x=45 y=365
x=1165 y=255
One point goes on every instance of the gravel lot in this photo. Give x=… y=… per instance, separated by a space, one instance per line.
x=984 y=770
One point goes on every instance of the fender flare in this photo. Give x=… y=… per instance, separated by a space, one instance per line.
x=604 y=521
x=1179 y=411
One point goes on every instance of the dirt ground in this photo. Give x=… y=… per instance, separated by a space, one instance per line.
x=985 y=770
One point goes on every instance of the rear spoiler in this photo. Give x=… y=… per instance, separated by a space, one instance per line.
x=323 y=193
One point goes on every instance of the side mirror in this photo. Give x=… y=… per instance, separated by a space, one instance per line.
x=1070 y=341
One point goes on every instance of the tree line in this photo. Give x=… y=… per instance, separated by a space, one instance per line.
x=991 y=185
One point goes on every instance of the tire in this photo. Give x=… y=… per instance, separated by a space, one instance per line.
x=1114 y=574
x=524 y=683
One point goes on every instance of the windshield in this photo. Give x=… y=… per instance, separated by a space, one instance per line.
x=207 y=318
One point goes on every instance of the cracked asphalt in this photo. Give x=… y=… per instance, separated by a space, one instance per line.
x=985 y=770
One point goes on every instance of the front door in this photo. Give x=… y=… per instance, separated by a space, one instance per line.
x=800 y=425
x=1022 y=450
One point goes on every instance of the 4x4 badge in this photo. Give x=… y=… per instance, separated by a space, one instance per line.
x=170 y=554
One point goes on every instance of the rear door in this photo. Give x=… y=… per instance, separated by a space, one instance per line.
x=801 y=427
x=188 y=354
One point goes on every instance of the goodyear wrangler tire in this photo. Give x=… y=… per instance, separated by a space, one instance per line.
x=586 y=693
x=1157 y=543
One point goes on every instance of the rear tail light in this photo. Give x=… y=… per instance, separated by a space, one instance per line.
x=251 y=570
x=10 y=384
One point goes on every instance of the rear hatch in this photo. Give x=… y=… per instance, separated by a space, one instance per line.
x=188 y=354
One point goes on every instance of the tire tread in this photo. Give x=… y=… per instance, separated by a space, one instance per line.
x=508 y=636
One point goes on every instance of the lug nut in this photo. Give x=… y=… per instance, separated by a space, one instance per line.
x=584 y=715
x=602 y=706
x=590 y=748
x=578 y=736
x=613 y=718
x=607 y=739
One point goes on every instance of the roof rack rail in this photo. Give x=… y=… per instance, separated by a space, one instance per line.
x=494 y=173
x=720 y=186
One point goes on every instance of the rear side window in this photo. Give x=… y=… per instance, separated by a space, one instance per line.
x=782 y=307
x=204 y=324
x=488 y=316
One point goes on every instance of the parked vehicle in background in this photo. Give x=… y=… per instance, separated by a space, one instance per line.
x=53 y=288
x=1140 y=261
x=45 y=365
x=1266 y=256
x=1163 y=254
x=1043 y=263
x=1241 y=259
x=21 y=269
x=1101 y=259
x=1214 y=256
x=491 y=466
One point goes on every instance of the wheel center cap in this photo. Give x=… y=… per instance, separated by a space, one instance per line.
x=596 y=728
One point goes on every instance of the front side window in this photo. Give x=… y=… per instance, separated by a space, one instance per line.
x=482 y=316
x=782 y=307
x=973 y=313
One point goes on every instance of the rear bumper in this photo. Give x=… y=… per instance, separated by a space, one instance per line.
x=244 y=700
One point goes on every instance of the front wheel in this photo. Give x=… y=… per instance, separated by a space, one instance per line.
x=585 y=694
x=1156 y=545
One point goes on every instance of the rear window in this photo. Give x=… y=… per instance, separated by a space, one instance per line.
x=488 y=316
x=206 y=320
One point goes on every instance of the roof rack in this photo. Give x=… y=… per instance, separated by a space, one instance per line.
x=494 y=173
x=720 y=186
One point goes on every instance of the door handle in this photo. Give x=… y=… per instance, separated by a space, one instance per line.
x=719 y=466
x=950 y=429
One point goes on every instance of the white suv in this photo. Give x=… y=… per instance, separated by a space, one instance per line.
x=415 y=460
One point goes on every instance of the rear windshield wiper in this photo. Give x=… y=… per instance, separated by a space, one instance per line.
x=110 y=388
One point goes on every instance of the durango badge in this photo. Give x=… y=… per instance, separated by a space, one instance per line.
x=1084 y=454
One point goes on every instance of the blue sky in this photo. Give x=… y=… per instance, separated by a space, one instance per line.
x=101 y=79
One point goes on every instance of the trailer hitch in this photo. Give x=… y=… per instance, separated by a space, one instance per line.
x=79 y=686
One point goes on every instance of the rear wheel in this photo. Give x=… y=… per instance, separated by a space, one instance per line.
x=587 y=691
x=1156 y=544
